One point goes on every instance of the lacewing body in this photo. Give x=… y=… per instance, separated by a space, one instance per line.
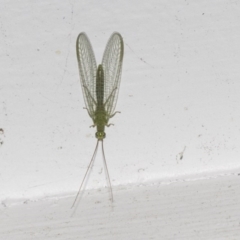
x=100 y=86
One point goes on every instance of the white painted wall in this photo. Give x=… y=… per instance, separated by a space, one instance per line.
x=179 y=94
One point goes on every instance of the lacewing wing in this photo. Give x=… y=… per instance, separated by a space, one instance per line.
x=100 y=87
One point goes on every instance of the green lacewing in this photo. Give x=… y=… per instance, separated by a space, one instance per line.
x=100 y=87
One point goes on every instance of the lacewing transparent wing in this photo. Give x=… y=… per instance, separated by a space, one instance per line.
x=100 y=86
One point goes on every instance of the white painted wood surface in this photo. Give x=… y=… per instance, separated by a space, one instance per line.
x=195 y=209
x=173 y=153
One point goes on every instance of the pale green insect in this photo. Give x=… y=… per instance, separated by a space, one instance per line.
x=100 y=86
